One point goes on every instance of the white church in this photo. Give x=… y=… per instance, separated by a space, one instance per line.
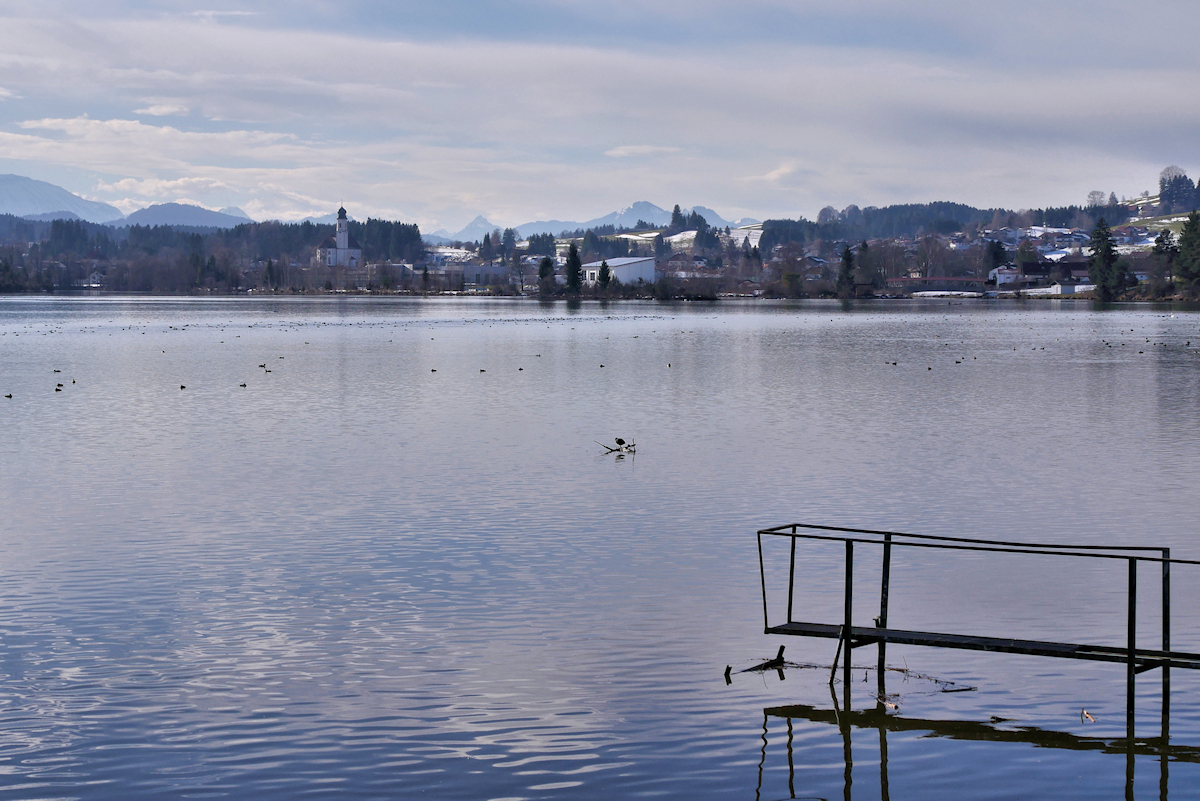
x=340 y=250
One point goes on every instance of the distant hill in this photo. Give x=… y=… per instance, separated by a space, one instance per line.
x=183 y=214
x=324 y=219
x=22 y=197
x=52 y=215
x=716 y=221
x=234 y=211
x=472 y=232
x=628 y=217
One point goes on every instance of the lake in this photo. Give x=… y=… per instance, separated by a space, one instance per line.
x=370 y=547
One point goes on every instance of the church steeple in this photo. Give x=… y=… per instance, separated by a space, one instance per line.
x=343 y=229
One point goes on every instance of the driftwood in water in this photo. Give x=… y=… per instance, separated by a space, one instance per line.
x=770 y=664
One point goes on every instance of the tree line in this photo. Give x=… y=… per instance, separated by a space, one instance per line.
x=912 y=220
x=1173 y=264
x=64 y=253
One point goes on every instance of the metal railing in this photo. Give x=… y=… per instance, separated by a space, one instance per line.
x=849 y=636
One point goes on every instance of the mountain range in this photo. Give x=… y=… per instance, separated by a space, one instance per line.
x=38 y=200
x=627 y=217
x=21 y=197
x=186 y=214
x=41 y=201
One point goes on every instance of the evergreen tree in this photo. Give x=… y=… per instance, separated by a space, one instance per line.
x=605 y=275
x=677 y=221
x=591 y=242
x=10 y=281
x=541 y=244
x=845 y=281
x=1175 y=190
x=486 y=251
x=1162 y=257
x=662 y=248
x=1187 y=259
x=574 y=269
x=509 y=240
x=996 y=254
x=1164 y=245
x=1103 y=268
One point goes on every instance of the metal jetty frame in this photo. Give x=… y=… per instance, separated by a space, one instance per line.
x=850 y=636
x=965 y=730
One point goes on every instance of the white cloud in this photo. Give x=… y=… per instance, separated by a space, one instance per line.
x=288 y=122
x=158 y=188
x=209 y=16
x=163 y=110
x=625 y=151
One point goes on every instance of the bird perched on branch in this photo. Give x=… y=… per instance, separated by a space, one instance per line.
x=621 y=447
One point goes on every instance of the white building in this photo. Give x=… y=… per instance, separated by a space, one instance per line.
x=627 y=270
x=1004 y=275
x=340 y=250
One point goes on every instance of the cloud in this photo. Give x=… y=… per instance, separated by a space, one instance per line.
x=158 y=188
x=164 y=110
x=211 y=16
x=287 y=122
x=625 y=151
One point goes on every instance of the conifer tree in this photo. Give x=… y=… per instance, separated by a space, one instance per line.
x=1187 y=260
x=574 y=269
x=845 y=281
x=605 y=275
x=1103 y=268
x=677 y=220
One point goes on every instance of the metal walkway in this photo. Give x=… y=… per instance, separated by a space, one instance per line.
x=1144 y=659
x=849 y=636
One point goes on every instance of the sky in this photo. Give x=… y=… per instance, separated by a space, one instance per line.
x=556 y=109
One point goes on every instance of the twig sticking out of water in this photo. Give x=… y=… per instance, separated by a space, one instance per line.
x=622 y=446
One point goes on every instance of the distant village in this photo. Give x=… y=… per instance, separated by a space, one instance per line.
x=898 y=251
x=978 y=260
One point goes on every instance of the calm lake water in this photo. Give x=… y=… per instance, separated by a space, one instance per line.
x=396 y=564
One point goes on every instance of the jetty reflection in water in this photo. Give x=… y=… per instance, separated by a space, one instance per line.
x=878 y=718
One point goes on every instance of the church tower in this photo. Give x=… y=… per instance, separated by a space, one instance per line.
x=343 y=230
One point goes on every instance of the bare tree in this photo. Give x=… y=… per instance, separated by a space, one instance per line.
x=1170 y=173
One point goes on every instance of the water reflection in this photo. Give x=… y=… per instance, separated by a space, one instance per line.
x=878 y=718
